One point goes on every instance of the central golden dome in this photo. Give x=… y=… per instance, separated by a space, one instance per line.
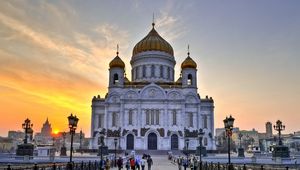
x=153 y=42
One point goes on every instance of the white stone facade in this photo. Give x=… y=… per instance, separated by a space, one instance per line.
x=152 y=111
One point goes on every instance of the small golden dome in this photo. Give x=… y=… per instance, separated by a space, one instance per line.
x=117 y=62
x=188 y=63
x=153 y=42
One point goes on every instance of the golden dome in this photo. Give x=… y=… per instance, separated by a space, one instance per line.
x=117 y=62
x=188 y=63
x=153 y=42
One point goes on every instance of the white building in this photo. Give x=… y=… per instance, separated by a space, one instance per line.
x=152 y=111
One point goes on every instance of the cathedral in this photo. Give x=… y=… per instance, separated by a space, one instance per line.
x=152 y=111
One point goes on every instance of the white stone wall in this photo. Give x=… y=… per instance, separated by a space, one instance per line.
x=183 y=100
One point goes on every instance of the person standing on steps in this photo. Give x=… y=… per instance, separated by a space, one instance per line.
x=143 y=162
x=132 y=163
x=179 y=162
x=120 y=163
x=149 y=162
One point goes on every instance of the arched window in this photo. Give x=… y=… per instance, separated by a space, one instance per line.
x=174 y=117
x=114 y=119
x=147 y=117
x=189 y=80
x=205 y=141
x=116 y=79
x=152 y=71
x=130 y=113
x=204 y=121
x=191 y=124
x=144 y=71
x=152 y=117
x=135 y=73
x=161 y=71
x=157 y=117
x=168 y=73
x=100 y=120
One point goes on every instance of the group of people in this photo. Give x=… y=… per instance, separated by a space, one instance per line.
x=190 y=162
x=135 y=163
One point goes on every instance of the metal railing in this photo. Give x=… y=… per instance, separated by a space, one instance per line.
x=219 y=166
x=55 y=166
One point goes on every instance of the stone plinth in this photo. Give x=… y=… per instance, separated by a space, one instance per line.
x=104 y=150
x=63 y=151
x=25 y=150
x=241 y=152
x=203 y=151
x=281 y=151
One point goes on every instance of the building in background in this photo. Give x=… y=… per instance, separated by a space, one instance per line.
x=269 y=130
x=45 y=136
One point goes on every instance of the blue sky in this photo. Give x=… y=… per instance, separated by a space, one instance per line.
x=247 y=54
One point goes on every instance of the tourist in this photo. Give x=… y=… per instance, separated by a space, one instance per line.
x=127 y=164
x=107 y=165
x=191 y=163
x=102 y=164
x=149 y=162
x=143 y=162
x=195 y=163
x=120 y=163
x=132 y=163
x=185 y=164
x=179 y=162
x=137 y=162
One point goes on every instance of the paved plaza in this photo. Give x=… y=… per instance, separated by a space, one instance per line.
x=160 y=163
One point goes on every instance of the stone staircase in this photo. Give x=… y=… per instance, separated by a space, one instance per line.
x=154 y=152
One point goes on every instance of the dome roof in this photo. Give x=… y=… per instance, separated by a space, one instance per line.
x=153 y=42
x=188 y=63
x=117 y=62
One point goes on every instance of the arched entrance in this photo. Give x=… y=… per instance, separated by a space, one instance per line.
x=174 y=142
x=130 y=142
x=152 y=141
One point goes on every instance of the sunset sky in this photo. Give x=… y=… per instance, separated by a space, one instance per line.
x=54 y=56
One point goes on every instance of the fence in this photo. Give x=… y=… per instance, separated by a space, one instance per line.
x=219 y=166
x=55 y=166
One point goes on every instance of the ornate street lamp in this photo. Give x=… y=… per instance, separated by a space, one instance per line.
x=102 y=135
x=27 y=126
x=187 y=147
x=80 y=141
x=200 y=136
x=73 y=120
x=115 y=142
x=280 y=150
x=279 y=127
x=63 y=149
x=228 y=123
x=241 y=149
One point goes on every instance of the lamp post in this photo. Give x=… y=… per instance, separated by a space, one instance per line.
x=80 y=142
x=101 y=133
x=279 y=127
x=200 y=136
x=280 y=150
x=115 y=142
x=228 y=123
x=187 y=147
x=63 y=150
x=73 y=120
x=27 y=126
x=241 y=149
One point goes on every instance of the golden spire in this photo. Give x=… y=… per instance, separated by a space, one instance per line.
x=188 y=49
